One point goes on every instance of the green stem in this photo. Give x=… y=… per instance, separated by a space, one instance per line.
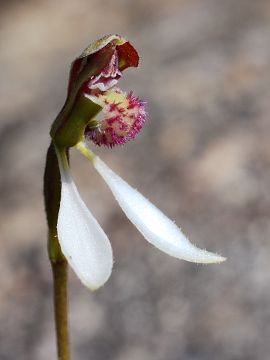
x=52 y=196
x=60 y=276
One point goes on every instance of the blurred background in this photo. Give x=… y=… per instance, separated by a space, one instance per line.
x=203 y=158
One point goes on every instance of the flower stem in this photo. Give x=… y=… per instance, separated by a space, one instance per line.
x=60 y=276
x=52 y=196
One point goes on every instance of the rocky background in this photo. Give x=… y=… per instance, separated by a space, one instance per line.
x=203 y=158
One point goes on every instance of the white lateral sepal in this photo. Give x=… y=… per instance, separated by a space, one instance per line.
x=156 y=227
x=82 y=240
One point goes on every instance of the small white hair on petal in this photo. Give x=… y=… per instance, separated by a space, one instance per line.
x=82 y=240
x=156 y=227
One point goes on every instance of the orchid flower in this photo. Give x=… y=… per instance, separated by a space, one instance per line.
x=97 y=111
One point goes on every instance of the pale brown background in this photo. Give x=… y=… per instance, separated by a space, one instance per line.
x=203 y=157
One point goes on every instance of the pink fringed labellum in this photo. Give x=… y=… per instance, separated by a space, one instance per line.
x=121 y=119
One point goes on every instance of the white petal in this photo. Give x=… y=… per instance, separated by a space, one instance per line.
x=157 y=228
x=83 y=242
